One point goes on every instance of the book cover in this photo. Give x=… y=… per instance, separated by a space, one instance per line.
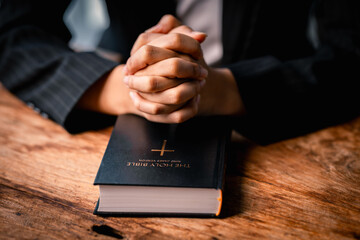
x=187 y=157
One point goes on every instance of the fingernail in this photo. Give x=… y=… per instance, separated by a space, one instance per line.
x=198 y=99
x=203 y=72
x=126 y=80
x=196 y=32
x=132 y=96
x=202 y=83
x=125 y=70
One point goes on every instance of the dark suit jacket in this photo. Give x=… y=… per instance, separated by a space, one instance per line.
x=290 y=83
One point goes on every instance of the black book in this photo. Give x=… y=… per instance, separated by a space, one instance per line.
x=168 y=169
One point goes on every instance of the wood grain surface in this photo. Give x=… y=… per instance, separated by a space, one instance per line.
x=303 y=188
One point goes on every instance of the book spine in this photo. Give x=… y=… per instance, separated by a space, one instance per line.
x=222 y=155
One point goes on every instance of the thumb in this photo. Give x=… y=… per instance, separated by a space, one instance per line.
x=165 y=25
x=198 y=36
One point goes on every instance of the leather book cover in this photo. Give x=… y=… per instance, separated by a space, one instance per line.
x=144 y=153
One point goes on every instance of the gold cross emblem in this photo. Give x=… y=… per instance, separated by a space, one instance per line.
x=162 y=150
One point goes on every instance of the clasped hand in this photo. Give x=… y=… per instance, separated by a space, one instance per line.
x=167 y=72
x=164 y=78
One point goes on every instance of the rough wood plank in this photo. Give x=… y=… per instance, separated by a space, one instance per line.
x=306 y=187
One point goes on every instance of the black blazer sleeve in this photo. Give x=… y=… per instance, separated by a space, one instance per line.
x=36 y=63
x=295 y=96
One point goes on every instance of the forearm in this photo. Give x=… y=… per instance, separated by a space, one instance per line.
x=36 y=63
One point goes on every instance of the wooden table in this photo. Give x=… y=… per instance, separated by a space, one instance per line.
x=302 y=188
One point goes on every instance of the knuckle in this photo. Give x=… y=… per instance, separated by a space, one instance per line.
x=178 y=117
x=147 y=52
x=174 y=65
x=143 y=37
x=156 y=109
x=176 y=40
x=152 y=84
x=176 y=97
x=169 y=18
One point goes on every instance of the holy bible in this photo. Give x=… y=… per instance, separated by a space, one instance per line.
x=164 y=169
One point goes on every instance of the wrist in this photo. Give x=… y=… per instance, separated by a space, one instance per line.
x=108 y=95
x=221 y=94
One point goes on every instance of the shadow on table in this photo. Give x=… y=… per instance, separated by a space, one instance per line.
x=233 y=194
